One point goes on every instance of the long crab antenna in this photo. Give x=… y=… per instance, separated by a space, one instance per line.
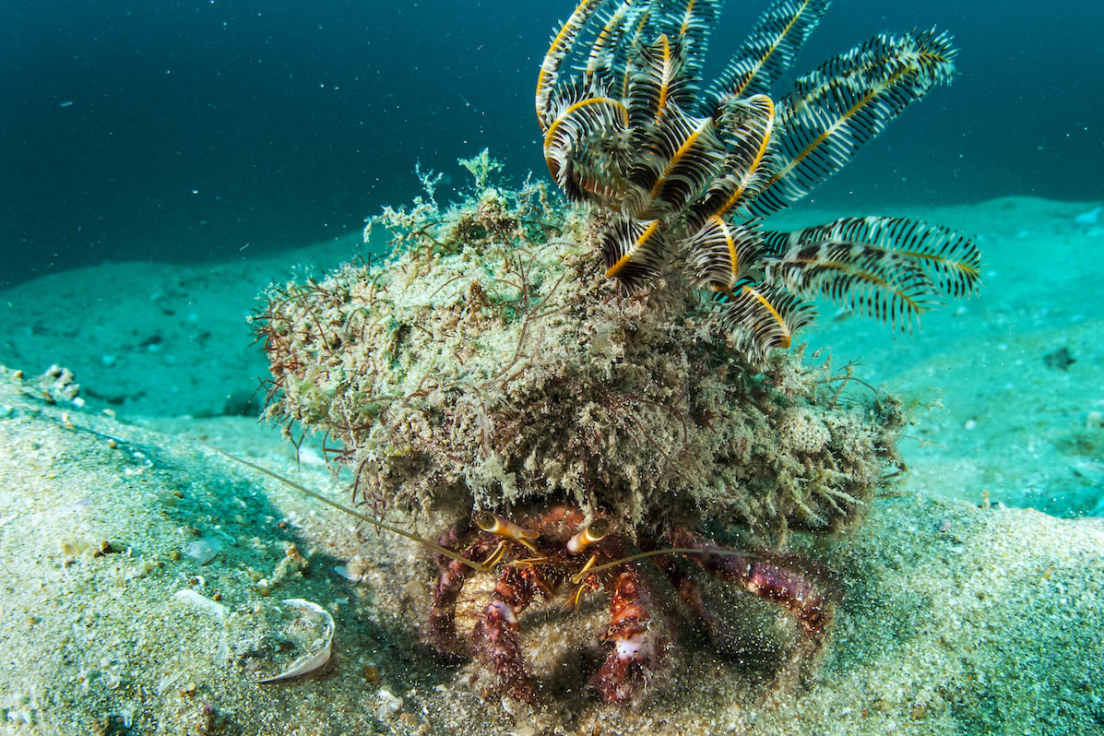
x=379 y=524
x=723 y=551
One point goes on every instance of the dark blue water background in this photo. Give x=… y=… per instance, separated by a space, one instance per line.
x=191 y=130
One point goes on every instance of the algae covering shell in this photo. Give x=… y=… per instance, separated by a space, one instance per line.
x=487 y=364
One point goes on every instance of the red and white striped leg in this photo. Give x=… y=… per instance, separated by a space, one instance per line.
x=635 y=644
x=454 y=573
x=496 y=634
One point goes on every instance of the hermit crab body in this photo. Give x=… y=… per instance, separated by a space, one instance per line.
x=559 y=552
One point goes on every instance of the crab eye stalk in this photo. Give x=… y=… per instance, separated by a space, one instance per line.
x=597 y=529
x=593 y=532
x=486 y=521
x=492 y=524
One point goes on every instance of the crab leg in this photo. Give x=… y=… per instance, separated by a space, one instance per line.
x=442 y=615
x=785 y=587
x=496 y=635
x=634 y=642
x=688 y=590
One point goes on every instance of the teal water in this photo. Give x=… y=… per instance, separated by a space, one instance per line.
x=190 y=130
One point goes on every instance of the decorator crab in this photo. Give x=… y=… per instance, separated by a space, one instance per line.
x=589 y=413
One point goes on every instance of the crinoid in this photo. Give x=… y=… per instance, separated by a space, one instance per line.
x=687 y=172
x=567 y=432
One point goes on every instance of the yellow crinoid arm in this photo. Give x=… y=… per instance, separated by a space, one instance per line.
x=770 y=48
x=562 y=44
x=834 y=111
x=763 y=317
x=610 y=41
x=719 y=254
x=632 y=250
x=889 y=268
x=677 y=163
x=573 y=122
x=745 y=127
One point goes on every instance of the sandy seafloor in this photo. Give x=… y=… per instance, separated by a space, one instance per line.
x=974 y=592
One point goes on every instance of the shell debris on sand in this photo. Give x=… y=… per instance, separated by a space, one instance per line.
x=309 y=629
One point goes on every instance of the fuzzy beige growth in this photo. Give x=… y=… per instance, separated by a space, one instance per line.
x=489 y=364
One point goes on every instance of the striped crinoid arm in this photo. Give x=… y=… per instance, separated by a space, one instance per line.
x=607 y=39
x=585 y=146
x=687 y=25
x=745 y=128
x=675 y=161
x=768 y=51
x=720 y=255
x=612 y=45
x=892 y=269
x=762 y=317
x=695 y=20
x=929 y=53
x=633 y=251
x=665 y=40
x=839 y=108
x=950 y=259
x=656 y=81
x=563 y=45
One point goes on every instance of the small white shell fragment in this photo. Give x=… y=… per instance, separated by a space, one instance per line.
x=204 y=550
x=389 y=704
x=346 y=573
x=310 y=456
x=321 y=646
x=199 y=602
